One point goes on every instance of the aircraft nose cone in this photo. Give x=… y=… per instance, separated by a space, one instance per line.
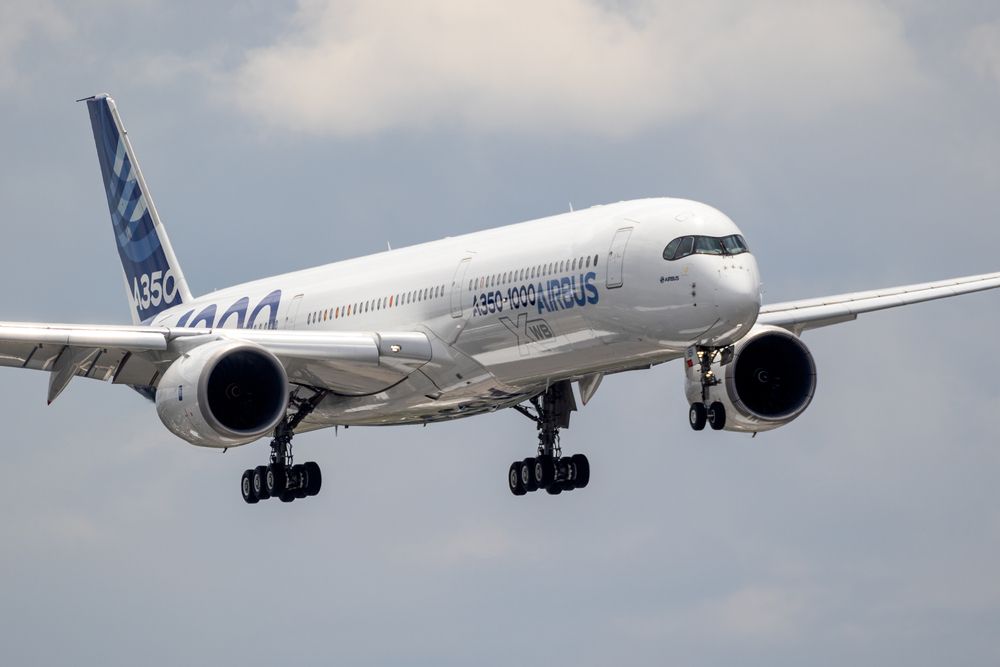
x=737 y=294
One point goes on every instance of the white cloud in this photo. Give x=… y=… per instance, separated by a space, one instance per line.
x=350 y=67
x=983 y=50
x=757 y=614
x=462 y=547
x=20 y=21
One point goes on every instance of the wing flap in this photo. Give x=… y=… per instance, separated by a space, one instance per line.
x=126 y=338
x=344 y=362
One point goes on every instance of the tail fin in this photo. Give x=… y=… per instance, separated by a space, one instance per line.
x=153 y=277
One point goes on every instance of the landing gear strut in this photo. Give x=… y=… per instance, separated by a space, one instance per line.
x=549 y=470
x=714 y=414
x=282 y=478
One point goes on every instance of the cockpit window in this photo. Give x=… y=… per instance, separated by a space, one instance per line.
x=668 y=252
x=735 y=244
x=683 y=246
x=707 y=245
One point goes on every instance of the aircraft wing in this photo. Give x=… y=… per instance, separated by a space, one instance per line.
x=799 y=316
x=345 y=362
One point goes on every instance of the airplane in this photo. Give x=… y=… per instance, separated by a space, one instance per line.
x=449 y=329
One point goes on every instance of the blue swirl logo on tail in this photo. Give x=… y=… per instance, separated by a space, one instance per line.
x=152 y=281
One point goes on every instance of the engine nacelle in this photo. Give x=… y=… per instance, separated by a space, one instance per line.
x=223 y=394
x=769 y=382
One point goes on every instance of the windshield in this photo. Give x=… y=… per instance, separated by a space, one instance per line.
x=683 y=246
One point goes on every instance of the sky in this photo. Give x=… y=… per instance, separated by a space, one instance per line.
x=856 y=144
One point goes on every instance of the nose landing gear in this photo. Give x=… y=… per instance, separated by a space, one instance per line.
x=549 y=470
x=714 y=414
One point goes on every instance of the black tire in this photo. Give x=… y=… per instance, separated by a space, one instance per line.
x=299 y=474
x=582 y=470
x=260 y=482
x=697 y=416
x=287 y=496
x=544 y=472
x=514 y=479
x=717 y=416
x=276 y=481
x=554 y=489
x=246 y=488
x=528 y=475
x=314 y=478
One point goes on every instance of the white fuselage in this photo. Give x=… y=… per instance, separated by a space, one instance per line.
x=512 y=309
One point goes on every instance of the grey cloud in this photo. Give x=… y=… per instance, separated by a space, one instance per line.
x=865 y=533
x=572 y=65
x=983 y=50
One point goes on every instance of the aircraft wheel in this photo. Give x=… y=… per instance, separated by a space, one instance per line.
x=527 y=469
x=275 y=480
x=544 y=472
x=314 y=478
x=260 y=482
x=514 y=479
x=697 y=416
x=582 y=470
x=717 y=416
x=246 y=486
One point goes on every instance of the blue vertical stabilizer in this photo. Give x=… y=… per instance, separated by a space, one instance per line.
x=152 y=275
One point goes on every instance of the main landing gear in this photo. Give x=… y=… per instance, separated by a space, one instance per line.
x=550 y=470
x=282 y=478
x=713 y=414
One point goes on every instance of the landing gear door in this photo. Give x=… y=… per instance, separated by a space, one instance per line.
x=616 y=257
x=456 y=287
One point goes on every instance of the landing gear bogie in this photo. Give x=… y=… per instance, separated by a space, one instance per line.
x=550 y=470
x=553 y=475
x=286 y=484
x=282 y=478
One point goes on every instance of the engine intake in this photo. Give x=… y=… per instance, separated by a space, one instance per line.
x=245 y=389
x=223 y=394
x=773 y=376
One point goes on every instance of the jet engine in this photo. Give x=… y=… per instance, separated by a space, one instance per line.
x=223 y=394
x=769 y=380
